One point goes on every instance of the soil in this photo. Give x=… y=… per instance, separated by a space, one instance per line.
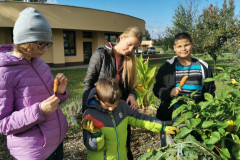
x=74 y=148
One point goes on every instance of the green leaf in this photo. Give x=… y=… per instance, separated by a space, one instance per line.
x=221 y=124
x=236 y=139
x=178 y=122
x=219 y=113
x=236 y=93
x=224 y=153
x=208 y=96
x=188 y=114
x=145 y=156
x=183 y=132
x=140 y=67
x=236 y=151
x=209 y=80
x=174 y=100
x=219 y=68
x=188 y=124
x=177 y=111
x=193 y=93
x=215 y=137
x=190 y=138
x=158 y=155
x=224 y=93
x=207 y=124
x=237 y=122
x=221 y=131
x=226 y=77
x=145 y=64
x=151 y=73
x=195 y=122
x=204 y=104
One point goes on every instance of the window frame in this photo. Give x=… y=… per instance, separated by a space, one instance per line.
x=74 y=43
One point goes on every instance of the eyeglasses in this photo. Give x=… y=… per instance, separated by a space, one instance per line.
x=42 y=45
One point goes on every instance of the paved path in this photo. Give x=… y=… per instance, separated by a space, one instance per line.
x=71 y=67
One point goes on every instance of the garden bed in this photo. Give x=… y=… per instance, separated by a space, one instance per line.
x=74 y=148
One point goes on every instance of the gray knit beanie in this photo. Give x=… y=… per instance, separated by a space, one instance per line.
x=31 y=26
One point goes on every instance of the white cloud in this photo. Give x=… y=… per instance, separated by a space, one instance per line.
x=155 y=30
x=52 y=1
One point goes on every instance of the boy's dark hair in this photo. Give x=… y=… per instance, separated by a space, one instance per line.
x=108 y=90
x=182 y=35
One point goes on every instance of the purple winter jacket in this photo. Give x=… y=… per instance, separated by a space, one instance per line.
x=31 y=135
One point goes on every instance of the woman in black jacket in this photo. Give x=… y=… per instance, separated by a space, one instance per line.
x=116 y=61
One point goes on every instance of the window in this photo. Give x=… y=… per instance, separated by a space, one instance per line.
x=87 y=35
x=69 y=43
x=111 y=37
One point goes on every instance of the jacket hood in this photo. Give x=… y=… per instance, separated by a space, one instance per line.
x=7 y=59
x=107 y=47
x=172 y=60
x=92 y=102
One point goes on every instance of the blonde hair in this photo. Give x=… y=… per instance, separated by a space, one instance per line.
x=108 y=90
x=129 y=60
x=23 y=48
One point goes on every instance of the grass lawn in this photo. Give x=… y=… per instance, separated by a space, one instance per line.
x=76 y=76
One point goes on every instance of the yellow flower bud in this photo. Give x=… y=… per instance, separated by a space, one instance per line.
x=230 y=126
x=234 y=81
x=148 y=150
x=197 y=116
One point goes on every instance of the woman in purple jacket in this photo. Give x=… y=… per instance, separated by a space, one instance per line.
x=30 y=115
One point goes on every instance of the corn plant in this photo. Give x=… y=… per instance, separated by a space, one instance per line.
x=145 y=81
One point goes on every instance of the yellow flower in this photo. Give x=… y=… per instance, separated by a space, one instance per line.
x=230 y=126
x=234 y=81
x=148 y=150
x=197 y=116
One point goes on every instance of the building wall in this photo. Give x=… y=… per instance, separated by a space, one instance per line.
x=61 y=18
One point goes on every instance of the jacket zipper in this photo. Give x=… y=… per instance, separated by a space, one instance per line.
x=114 y=124
x=50 y=95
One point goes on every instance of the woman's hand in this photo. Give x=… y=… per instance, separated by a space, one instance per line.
x=62 y=80
x=49 y=105
x=133 y=104
x=175 y=91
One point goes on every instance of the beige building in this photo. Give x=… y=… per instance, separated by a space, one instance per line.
x=145 y=44
x=77 y=31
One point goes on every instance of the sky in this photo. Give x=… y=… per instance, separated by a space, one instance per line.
x=157 y=14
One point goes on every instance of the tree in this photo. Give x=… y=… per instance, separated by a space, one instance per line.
x=147 y=35
x=184 y=20
x=218 y=30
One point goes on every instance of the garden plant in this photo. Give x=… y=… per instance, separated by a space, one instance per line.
x=145 y=81
x=211 y=127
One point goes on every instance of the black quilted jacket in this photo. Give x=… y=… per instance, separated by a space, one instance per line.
x=102 y=64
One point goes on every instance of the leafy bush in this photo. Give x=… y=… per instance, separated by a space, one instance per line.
x=214 y=123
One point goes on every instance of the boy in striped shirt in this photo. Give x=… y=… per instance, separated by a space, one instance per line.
x=169 y=75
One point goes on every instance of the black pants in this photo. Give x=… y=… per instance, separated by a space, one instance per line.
x=129 y=152
x=57 y=154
